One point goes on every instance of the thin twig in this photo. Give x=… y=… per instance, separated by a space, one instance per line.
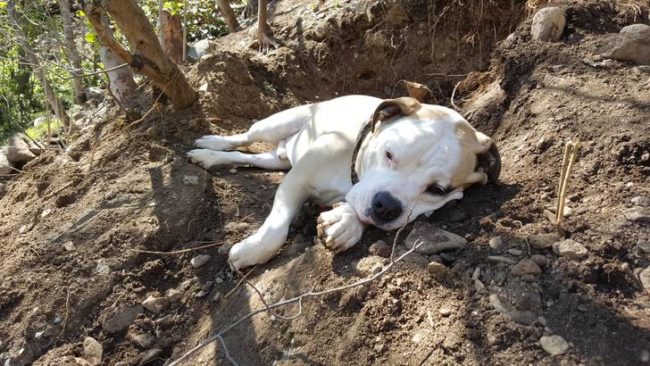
x=176 y=252
x=241 y=280
x=105 y=71
x=67 y=312
x=453 y=93
x=278 y=304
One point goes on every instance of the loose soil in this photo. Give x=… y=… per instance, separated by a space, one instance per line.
x=74 y=223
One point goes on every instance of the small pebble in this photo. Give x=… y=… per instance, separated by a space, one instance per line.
x=144 y=340
x=641 y=201
x=496 y=243
x=174 y=295
x=554 y=345
x=69 y=246
x=445 y=311
x=380 y=248
x=570 y=248
x=515 y=252
x=543 y=241
x=93 y=351
x=526 y=267
x=644 y=276
x=638 y=214
x=155 y=304
x=199 y=260
x=438 y=270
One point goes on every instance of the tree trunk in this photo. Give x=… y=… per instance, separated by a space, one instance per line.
x=148 y=56
x=228 y=15
x=52 y=99
x=71 y=51
x=120 y=82
x=170 y=34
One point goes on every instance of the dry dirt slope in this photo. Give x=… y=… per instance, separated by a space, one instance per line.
x=135 y=189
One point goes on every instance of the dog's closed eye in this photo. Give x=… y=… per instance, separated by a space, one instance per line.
x=437 y=189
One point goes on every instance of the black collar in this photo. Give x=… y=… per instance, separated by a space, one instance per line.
x=385 y=110
x=365 y=130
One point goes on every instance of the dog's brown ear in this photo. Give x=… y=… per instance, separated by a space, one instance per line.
x=390 y=108
x=488 y=160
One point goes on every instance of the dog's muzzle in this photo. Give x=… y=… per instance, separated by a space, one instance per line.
x=385 y=208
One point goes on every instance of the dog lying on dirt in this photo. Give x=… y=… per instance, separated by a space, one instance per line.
x=378 y=162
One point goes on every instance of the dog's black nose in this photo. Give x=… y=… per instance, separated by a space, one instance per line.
x=385 y=207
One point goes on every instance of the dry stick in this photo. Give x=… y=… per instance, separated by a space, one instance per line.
x=67 y=311
x=175 y=252
x=453 y=93
x=298 y=298
x=570 y=156
x=241 y=280
x=565 y=159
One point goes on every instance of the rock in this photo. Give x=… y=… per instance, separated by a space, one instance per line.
x=155 y=304
x=142 y=340
x=554 y=345
x=438 y=270
x=415 y=258
x=148 y=356
x=479 y=287
x=520 y=316
x=18 y=151
x=515 y=252
x=199 y=260
x=174 y=295
x=548 y=24
x=643 y=247
x=93 y=351
x=379 y=347
x=69 y=246
x=369 y=265
x=120 y=318
x=638 y=214
x=191 y=180
x=526 y=267
x=644 y=276
x=543 y=241
x=433 y=239
x=641 y=201
x=5 y=165
x=380 y=248
x=632 y=45
x=496 y=243
x=540 y=260
x=570 y=249
x=445 y=312
x=200 y=49
x=635 y=28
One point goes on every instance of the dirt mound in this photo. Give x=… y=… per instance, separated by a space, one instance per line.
x=74 y=225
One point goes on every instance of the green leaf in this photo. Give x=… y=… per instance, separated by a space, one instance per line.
x=3 y=4
x=91 y=37
x=80 y=13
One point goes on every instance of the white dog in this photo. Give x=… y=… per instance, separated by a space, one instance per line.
x=379 y=162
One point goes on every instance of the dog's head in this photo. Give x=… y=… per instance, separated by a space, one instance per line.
x=416 y=158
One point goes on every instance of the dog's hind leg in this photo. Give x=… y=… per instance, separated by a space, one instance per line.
x=210 y=159
x=272 y=129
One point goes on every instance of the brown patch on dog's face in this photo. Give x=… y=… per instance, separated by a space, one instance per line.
x=480 y=160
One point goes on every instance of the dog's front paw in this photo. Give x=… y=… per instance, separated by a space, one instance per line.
x=340 y=227
x=251 y=251
x=206 y=158
x=214 y=142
